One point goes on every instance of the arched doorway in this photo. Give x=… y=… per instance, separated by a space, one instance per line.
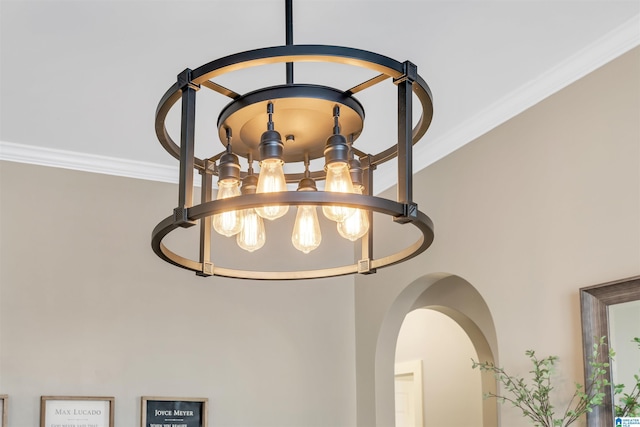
x=445 y=390
x=460 y=301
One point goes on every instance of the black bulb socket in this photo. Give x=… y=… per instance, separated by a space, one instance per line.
x=229 y=167
x=249 y=184
x=336 y=150
x=307 y=184
x=271 y=146
x=355 y=170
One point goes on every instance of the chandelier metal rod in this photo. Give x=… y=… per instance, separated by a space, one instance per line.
x=367 y=84
x=205 y=226
x=366 y=244
x=405 y=140
x=187 y=139
x=289 y=36
x=220 y=89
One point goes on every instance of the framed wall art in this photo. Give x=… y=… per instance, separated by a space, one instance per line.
x=174 y=412
x=76 y=411
x=597 y=305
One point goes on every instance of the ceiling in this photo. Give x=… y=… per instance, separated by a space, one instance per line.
x=81 y=79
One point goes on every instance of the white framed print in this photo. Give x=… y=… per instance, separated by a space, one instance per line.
x=76 y=411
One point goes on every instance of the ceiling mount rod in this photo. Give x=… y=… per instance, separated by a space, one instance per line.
x=289 y=36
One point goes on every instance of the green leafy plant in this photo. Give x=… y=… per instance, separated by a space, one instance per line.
x=533 y=397
x=628 y=404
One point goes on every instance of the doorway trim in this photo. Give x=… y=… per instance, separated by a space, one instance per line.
x=413 y=368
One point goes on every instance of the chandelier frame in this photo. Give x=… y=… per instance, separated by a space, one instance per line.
x=403 y=74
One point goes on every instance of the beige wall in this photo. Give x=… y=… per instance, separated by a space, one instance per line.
x=86 y=308
x=530 y=212
x=527 y=214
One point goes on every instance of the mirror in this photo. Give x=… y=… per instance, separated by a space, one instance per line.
x=595 y=303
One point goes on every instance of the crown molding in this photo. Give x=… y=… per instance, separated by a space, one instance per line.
x=615 y=43
x=604 y=50
x=42 y=156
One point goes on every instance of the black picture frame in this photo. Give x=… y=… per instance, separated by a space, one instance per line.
x=174 y=411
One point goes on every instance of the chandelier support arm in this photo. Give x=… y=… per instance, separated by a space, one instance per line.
x=365 y=85
x=405 y=130
x=366 y=251
x=220 y=89
x=205 y=223
x=187 y=139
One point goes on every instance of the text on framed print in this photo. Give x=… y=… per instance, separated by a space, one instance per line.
x=76 y=411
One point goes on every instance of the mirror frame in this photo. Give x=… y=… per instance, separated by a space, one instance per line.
x=594 y=307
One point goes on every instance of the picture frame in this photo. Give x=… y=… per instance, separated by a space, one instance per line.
x=170 y=411
x=76 y=411
x=595 y=302
x=3 y=409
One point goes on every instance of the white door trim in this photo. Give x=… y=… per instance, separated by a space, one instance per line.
x=413 y=369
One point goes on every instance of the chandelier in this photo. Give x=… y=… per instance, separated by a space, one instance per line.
x=292 y=124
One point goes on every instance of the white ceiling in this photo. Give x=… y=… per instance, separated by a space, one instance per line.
x=81 y=79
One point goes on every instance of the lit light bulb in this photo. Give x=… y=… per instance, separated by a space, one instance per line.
x=356 y=225
x=252 y=236
x=338 y=181
x=306 y=231
x=306 y=234
x=336 y=164
x=271 y=180
x=227 y=223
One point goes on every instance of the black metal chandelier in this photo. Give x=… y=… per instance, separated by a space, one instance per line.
x=317 y=122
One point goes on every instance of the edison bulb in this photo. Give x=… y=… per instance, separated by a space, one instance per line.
x=338 y=181
x=356 y=225
x=306 y=230
x=227 y=223
x=271 y=180
x=252 y=236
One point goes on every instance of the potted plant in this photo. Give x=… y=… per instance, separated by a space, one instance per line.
x=533 y=396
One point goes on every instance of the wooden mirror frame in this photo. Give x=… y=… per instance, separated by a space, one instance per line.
x=594 y=307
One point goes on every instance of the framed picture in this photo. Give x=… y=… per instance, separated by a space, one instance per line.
x=76 y=411
x=3 y=410
x=174 y=412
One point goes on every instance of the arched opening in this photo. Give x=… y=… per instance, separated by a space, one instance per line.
x=460 y=301
x=449 y=389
